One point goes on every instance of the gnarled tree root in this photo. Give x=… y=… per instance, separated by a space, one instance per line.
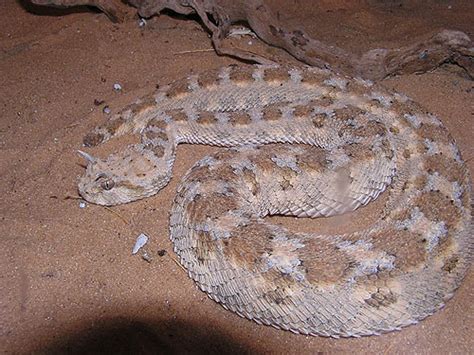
x=218 y=15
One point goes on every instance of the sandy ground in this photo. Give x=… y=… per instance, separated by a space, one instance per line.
x=68 y=280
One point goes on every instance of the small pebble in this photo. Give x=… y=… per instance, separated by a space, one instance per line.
x=423 y=55
x=142 y=239
x=142 y=22
x=82 y=204
x=146 y=257
x=106 y=110
x=117 y=87
x=162 y=252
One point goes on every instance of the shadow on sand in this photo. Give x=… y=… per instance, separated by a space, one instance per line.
x=125 y=336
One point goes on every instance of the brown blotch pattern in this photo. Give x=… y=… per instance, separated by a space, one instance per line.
x=347 y=113
x=358 y=88
x=151 y=135
x=112 y=126
x=199 y=173
x=279 y=295
x=203 y=173
x=158 y=123
x=211 y=206
x=240 y=118
x=313 y=158
x=438 y=208
x=279 y=74
x=287 y=177
x=93 y=139
x=450 y=264
x=319 y=120
x=205 y=246
x=224 y=154
x=420 y=147
x=407 y=247
x=381 y=298
x=419 y=183
x=143 y=105
x=409 y=107
x=449 y=168
x=303 y=110
x=248 y=244
x=435 y=133
x=406 y=153
x=358 y=152
x=323 y=101
x=263 y=161
x=159 y=151
x=324 y=262
x=371 y=129
x=206 y=118
x=387 y=149
x=313 y=78
x=178 y=115
x=178 y=88
x=401 y=214
x=241 y=75
x=208 y=79
x=272 y=113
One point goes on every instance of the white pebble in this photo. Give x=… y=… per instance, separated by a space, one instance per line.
x=142 y=239
x=142 y=22
x=117 y=87
x=82 y=204
x=146 y=257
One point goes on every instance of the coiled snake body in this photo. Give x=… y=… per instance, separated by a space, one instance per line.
x=345 y=142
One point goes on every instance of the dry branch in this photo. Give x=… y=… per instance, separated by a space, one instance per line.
x=218 y=15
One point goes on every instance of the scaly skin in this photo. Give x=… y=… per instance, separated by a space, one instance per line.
x=346 y=142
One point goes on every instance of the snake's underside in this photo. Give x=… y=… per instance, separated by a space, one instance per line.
x=345 y=142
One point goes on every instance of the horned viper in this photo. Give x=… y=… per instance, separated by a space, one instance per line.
x=301 y=142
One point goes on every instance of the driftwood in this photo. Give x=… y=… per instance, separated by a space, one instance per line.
x=115 y=10
x=218 y=15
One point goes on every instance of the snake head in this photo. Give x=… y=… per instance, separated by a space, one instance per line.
x=123 y=177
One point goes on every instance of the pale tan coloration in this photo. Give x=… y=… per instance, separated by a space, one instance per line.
x=347 y=141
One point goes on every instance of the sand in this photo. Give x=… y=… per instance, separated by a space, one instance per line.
x=68 y=280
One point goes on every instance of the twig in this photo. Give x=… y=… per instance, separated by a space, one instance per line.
x=194 y=51
x=117 y=214
x=177 y=263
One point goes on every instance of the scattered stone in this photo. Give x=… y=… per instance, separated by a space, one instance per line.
x=146 y=257
x=141 y=22
x=142 y=239
x=162 y=252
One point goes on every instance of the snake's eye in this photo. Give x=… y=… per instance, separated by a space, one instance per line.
x=107 y=184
